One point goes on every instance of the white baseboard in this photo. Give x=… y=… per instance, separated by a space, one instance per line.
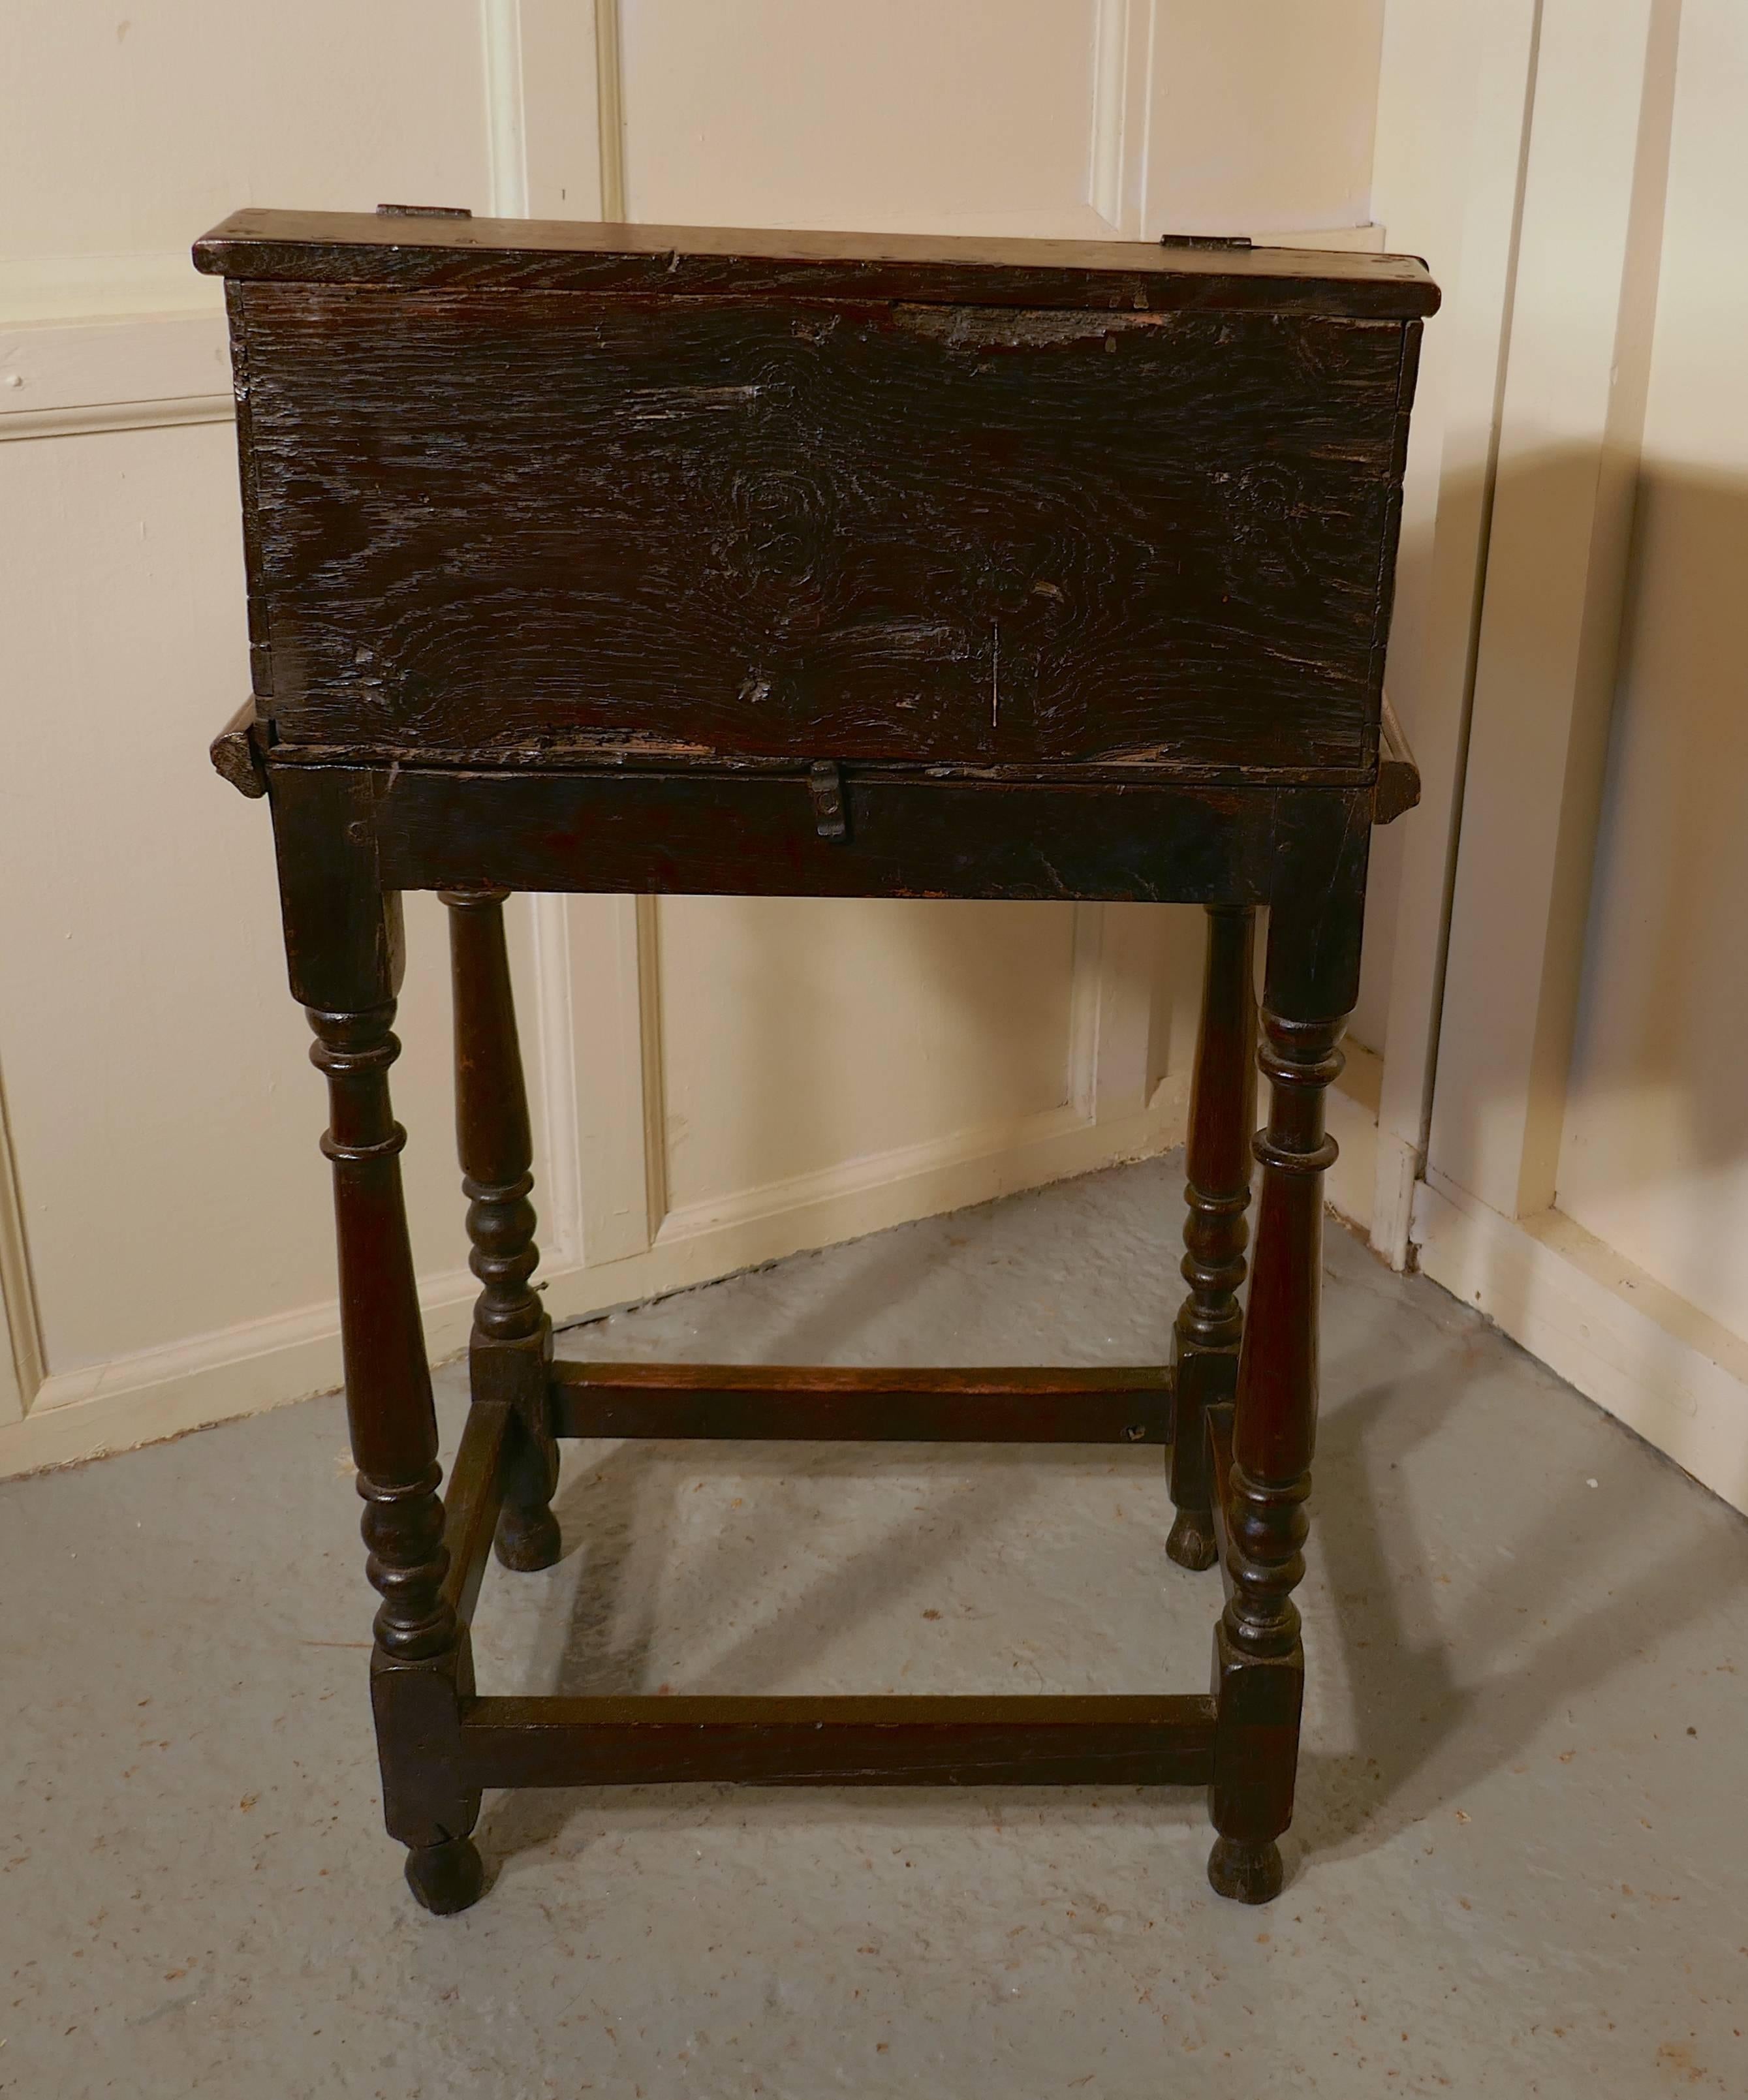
x=700 y=1241
x=820 y=1197
x=1391 y=1228
x=1657 y=1362
x=1350 y=1186
x=245 y=1369
x=204 y=1378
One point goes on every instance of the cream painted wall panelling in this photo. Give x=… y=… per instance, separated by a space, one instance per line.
x=1261 y=114
x=1594 y=1199
x=919 y=115
x=143 y=125
x=1654 y=1156
x=1571 y=424
x=162 y=1119
x=1455 y=92
x=125 y=562
x=957 y=115
x=798 y=1032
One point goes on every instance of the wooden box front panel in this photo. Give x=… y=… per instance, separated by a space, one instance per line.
x=789 y=529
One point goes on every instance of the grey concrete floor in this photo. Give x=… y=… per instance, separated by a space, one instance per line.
x=1518 y=1867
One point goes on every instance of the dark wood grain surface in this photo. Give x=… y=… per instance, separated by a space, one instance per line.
x=1081 y=1403
x=359 y=248
x=511 y=1344
x=472 y=1497
x=696 y=834
x=1033 y=1740
x=1210 y=1321
x=715 y=527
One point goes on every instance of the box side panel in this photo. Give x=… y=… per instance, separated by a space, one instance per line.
x=796 y=530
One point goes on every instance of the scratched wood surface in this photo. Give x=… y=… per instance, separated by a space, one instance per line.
x=737 y=528
x=697 y=833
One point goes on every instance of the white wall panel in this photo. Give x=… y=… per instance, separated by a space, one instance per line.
x=723 y=1081
x=908 y=116
x=799 y=1033
x=131 y=127
x=1067 y=118
x=1456 y=89
x=801 y=1042
x=1570 y=428
x=1262 y=114
x=1585 y=1181
x=163 y=1115
x=1655 y=1155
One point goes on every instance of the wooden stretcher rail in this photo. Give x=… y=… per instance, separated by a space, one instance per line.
x=472 y=1497
x=1219 y=1420
x=1078 y=1405
x=1120 y=1741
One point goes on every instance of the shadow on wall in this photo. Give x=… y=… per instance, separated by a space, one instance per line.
x=1655 y=1154
x=1636 y=1114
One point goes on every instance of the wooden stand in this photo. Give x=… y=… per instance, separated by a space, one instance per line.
x=1100 y=616
x=1235 y=1409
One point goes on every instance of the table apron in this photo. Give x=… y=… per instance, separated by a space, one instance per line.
x=688 y=834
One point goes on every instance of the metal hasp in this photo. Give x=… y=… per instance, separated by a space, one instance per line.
x=825 y=784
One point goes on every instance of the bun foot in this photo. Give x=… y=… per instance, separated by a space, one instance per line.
x=447 y=1878
x=528 y=1539
x=1191 y=1544
x=1245 y=1874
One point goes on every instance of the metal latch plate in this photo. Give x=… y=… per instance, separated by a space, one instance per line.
x=825 y=784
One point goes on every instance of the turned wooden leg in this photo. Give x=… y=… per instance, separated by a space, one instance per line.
x=512 y=1340
x=342 y=941
x=418 y=1669
x=1222 y=1121
x=1259 y=1663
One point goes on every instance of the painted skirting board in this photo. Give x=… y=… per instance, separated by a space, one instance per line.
x=1626 y=1341
x=1351 y=1114
x=245 y=1369
x=1653 y=1360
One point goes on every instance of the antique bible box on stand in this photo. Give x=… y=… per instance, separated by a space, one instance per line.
x=607 y=558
